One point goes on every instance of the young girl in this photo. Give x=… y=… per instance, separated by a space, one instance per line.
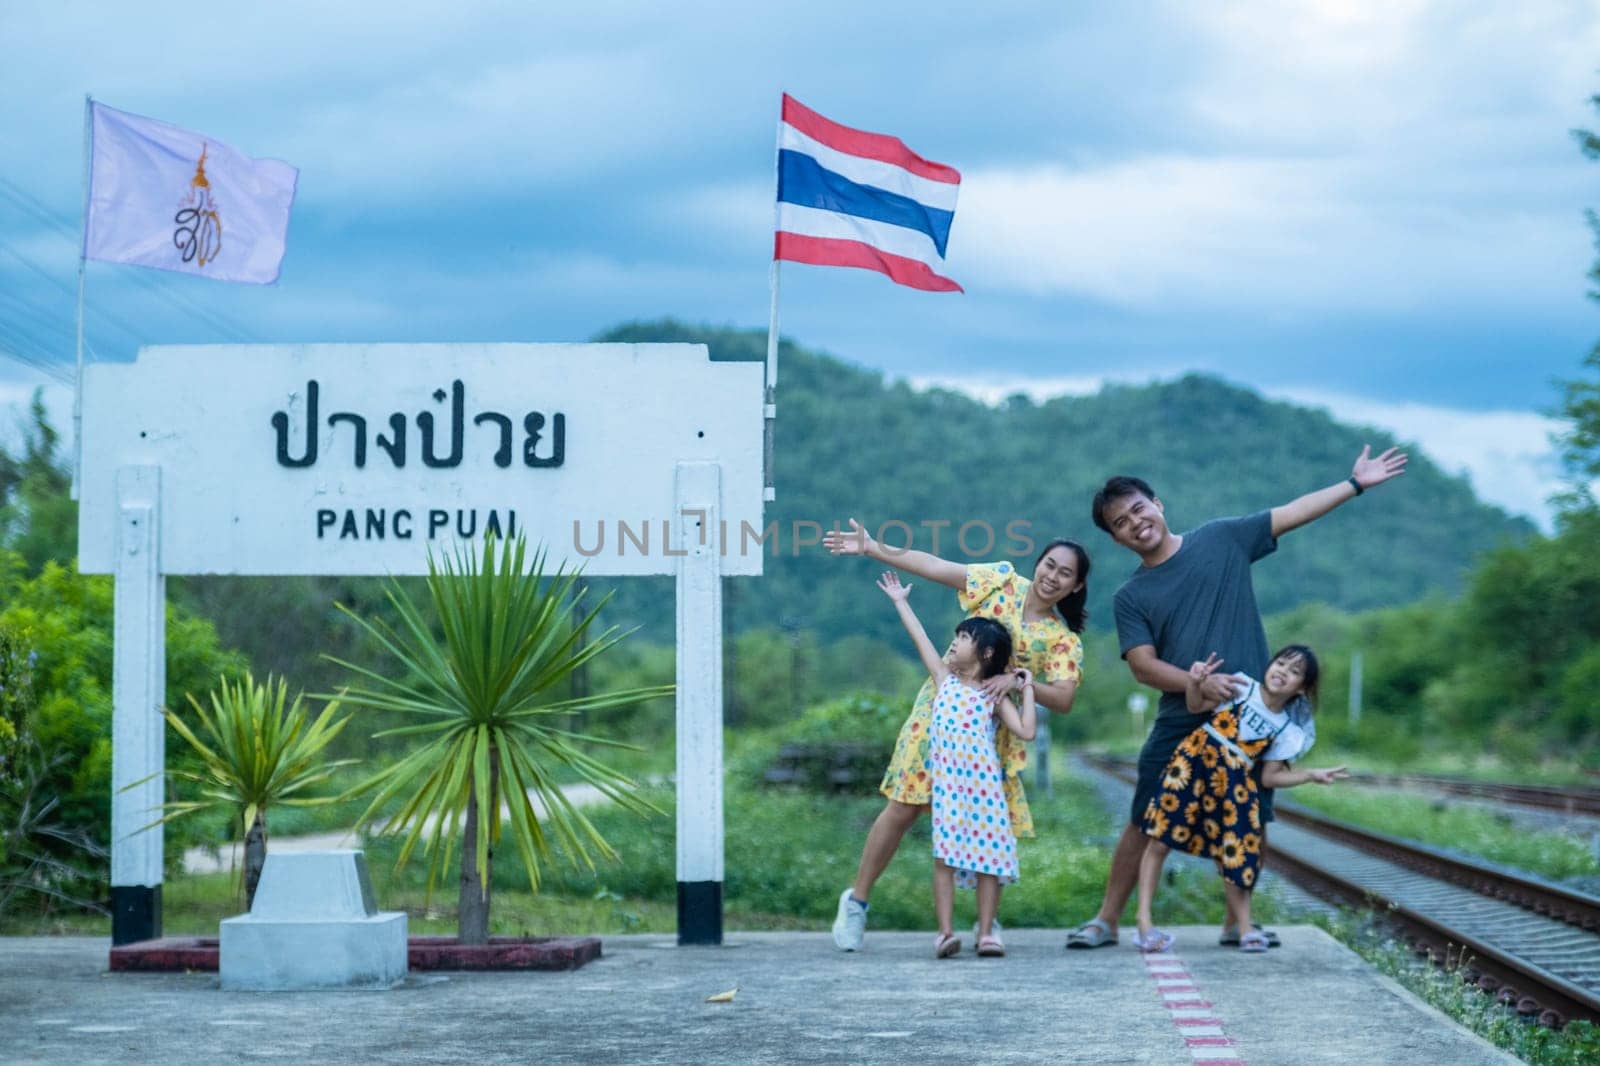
x=1208 y=801
x=973 y=844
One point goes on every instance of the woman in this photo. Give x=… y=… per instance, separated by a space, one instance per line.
x=1044 y=616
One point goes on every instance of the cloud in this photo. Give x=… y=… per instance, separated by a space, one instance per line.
x=1327 y=186
x=1507 y=455
x=1255 y=233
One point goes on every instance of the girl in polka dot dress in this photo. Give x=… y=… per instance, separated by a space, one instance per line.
x=973 y=842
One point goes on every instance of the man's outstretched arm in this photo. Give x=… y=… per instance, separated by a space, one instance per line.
x=1369 y=470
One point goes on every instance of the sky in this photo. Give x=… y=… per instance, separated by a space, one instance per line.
x=1375 y=208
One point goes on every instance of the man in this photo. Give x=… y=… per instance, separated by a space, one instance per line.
x=1190 y=597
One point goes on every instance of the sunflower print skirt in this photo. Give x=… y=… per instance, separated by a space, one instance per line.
x=1208 y=802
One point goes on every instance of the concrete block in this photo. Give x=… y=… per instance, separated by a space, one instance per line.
x=314 y=924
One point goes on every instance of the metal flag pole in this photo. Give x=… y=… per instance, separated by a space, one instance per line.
x=770 y=410
x=77 y=387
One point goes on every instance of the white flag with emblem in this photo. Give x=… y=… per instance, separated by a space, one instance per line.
x=165 y=197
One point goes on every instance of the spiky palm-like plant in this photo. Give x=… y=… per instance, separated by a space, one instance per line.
x=255 y=753
x=485 y=696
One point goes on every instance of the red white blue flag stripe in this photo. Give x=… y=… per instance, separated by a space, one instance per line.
x=856 y=199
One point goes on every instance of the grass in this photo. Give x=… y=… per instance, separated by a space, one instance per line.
x=1578 y=1044
x=1556 y=854
x=788 y=856
x=192 y=906
x=790 y=853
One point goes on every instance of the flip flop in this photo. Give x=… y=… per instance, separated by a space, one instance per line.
x=1230 y=937
x=945 y=945
x=990 y=947
x=1091 y=934
x=1254 y=942
x=1154 y=942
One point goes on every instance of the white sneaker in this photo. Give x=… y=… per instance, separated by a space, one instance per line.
x=850 y=924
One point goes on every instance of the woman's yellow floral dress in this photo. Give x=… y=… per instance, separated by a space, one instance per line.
x=1047 y=647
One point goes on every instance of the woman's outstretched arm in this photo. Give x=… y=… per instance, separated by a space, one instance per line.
x=857 y=541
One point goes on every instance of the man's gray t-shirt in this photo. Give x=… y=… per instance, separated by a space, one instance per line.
x=1201 y=601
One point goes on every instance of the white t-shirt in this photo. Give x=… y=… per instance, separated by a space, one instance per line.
x=1291 y=732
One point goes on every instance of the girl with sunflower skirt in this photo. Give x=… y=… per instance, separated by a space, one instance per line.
x=1208 y=801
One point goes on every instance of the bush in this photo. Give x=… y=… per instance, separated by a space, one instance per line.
x=68 y=619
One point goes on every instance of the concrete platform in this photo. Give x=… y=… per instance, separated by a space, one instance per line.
x=1311 y=1001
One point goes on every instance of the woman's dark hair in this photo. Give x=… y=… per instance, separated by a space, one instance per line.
x=1072 y=607
x=1309 y=665
x=1115 y=489
x=993 y=644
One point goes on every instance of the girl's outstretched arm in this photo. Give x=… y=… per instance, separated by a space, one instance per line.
x=1276 y=774
x=900 y=594
x=1025 y=724
x=856 y=541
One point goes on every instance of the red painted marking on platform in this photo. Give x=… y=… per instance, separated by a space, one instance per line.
x=1169 y=974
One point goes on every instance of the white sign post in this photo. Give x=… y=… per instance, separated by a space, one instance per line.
x=355 y=459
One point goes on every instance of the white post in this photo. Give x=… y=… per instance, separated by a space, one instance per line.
x=1355 y=688
x=699 y=703
x=138 y=690
x=1041 y=753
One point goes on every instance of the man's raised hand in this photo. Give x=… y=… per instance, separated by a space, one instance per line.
x=1373 y=470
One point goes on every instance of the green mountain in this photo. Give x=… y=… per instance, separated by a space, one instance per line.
x=852 y=443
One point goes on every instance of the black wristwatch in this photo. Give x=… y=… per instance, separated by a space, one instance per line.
x=1356 y=485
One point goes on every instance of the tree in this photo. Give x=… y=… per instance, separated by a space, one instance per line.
x=67 y=617
x=255 y=753
x=1580 y=444
x=485 y=698
x=38 y=518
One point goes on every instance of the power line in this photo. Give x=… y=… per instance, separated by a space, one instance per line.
x=41 y=213
x=98 y=314
x=49 y=367
x=30 y=310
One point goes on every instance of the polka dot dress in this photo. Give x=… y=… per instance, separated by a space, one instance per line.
x=971 y=825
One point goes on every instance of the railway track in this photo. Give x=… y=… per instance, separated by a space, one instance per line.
x=1581 y=800
x=1535 y=945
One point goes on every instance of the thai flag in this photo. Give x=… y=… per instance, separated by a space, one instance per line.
x=855 y=199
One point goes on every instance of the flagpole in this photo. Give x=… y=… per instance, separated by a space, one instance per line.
x=770 y=408
x=77 y=388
